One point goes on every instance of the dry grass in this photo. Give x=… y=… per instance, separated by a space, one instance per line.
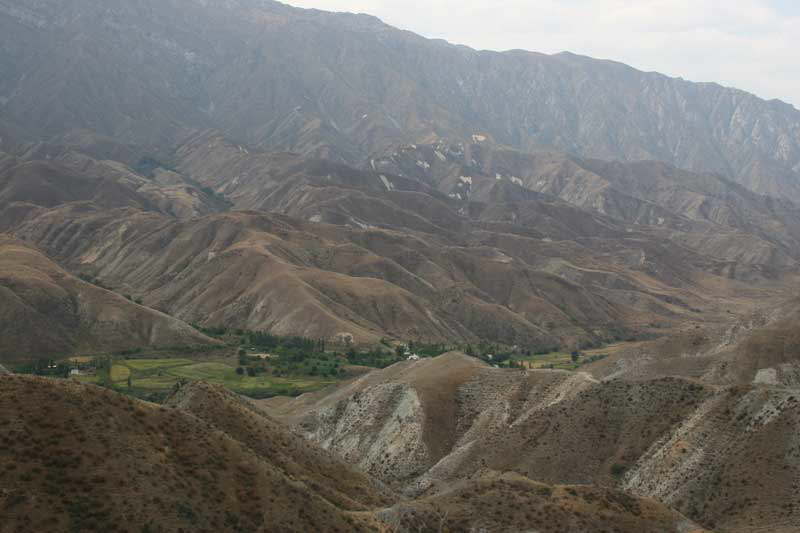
x=78 y=457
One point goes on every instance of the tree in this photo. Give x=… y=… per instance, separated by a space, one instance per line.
x=240 y=371
x=251 y=371
x=575 y=355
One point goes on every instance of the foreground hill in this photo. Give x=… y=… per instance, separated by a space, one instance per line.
x=45 y=311
x=727 y=457
x=78 y=457
x=348 y=86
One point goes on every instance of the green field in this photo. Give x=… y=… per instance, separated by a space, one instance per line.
x=559 y=360
x=159 y=375
x=120 y=373
x=563 y=360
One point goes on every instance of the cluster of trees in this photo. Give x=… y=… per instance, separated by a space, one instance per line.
x=288 y=356
x=489 y=352
x=375 y=358
x=304 y=356
x=428 y=350
x=267 y=341
x=299 y=364
x=44 y=367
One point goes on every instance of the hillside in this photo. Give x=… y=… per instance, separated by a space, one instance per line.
x=759 y=348
x=47 y=312
x=268 y=271
x=445 y=254
x=510 y=503
x=704 y=212
x=724 y=456
x=349 y=87
x=78 y=457
x=48 y=176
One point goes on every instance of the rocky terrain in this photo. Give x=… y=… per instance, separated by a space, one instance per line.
x=705 y=212
x=81 y=458
x=726 y=456
x=350 y=87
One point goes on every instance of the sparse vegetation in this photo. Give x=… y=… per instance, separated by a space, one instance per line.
x=618 y=470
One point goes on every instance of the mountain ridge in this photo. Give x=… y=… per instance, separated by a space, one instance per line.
x=351 y=88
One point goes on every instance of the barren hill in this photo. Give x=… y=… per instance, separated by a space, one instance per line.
x=81 y=458
x=49 y=176
x=45 y=311
x=511 y=503
x=705 y=212
x=376 y=254
x=78 y=457
x=761 y=348
x=266 y=271
x=724 y=456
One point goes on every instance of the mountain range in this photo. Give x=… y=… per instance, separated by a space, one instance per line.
x=349 y=87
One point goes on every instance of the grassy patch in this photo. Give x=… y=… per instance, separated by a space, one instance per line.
x=159 y=375
x=557 y=360
x=120 y=373
x=204 y=371
x=149 y=364
x=563 y=360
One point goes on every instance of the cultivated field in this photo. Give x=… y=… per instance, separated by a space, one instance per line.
x=161 y=375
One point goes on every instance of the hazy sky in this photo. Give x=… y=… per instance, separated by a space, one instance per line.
x=750 y=44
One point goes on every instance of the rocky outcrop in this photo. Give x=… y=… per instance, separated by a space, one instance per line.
x=724 y=456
